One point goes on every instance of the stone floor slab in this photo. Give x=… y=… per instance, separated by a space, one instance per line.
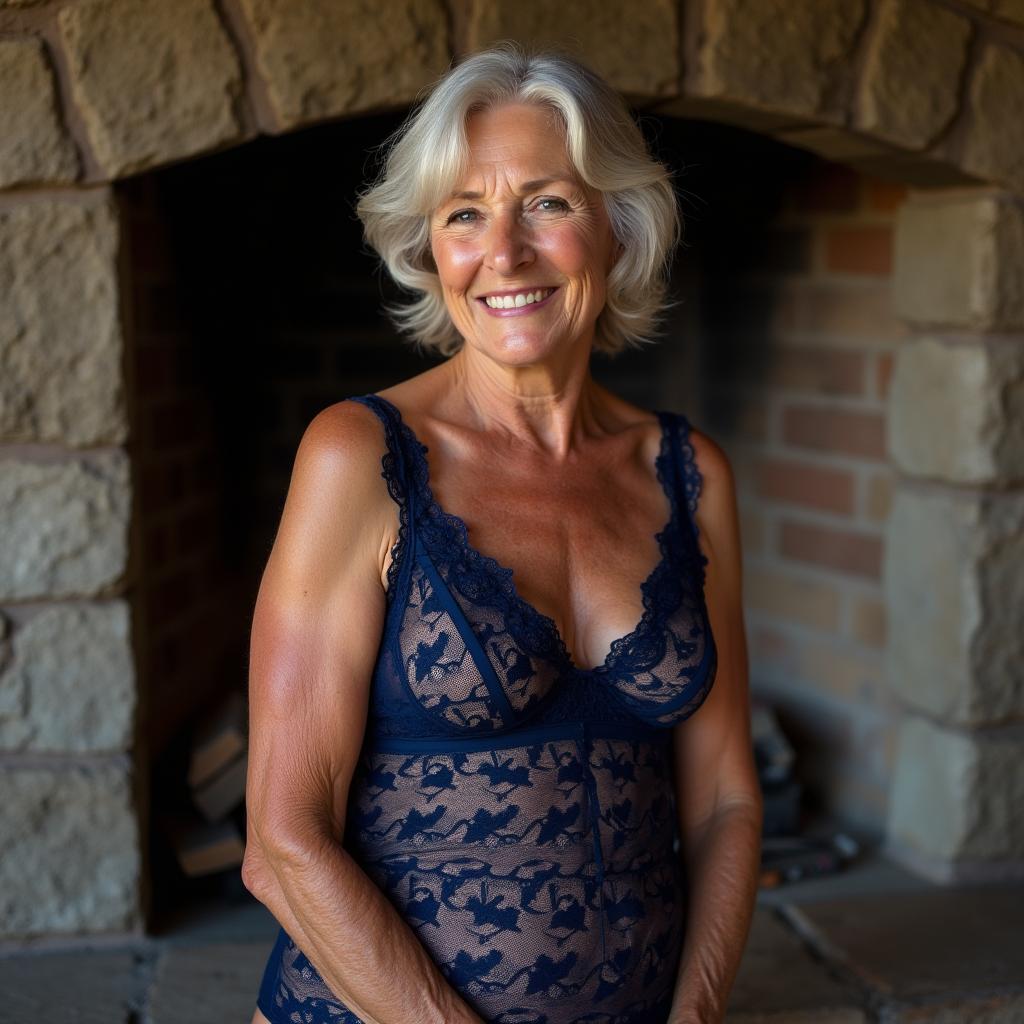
x=780 y=983
x=80 y=987
x=913 y=946
x=211 y=984
x=977 y=1009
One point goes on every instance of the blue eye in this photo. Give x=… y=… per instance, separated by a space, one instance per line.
x=456 y=218
x=560 y=204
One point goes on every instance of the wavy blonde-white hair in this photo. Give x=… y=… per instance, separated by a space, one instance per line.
x=428 y=154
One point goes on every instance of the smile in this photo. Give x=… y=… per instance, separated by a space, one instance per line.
x=516 y=301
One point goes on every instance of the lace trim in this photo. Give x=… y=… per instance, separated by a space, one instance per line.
x=392 y=470
x=486 y=581
x=693 y=483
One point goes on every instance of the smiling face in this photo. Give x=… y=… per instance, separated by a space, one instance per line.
x=522 y=247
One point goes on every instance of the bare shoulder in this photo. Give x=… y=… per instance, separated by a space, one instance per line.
x=717 y=515
x=337 y=499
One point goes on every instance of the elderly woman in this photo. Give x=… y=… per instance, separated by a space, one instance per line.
x=479 y=793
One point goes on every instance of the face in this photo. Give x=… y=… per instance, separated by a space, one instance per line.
x=522 y=247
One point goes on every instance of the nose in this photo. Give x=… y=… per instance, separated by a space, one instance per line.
x=508 y=244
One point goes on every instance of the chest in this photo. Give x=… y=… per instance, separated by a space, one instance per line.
x=579 y=538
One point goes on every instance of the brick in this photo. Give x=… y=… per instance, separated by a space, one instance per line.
x=830 y=188
x=752 y=531
x=883 y=373
x=844 y=432
x=868 y=619
x=813 y=370
x=853 y=676
x=860 y=309
x=848 y=551
x=878 y=497
x=859 y=250
x=809 y=486
x=885 y=196
x=792 y=598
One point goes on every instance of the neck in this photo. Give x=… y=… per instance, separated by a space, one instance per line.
x=544 y=405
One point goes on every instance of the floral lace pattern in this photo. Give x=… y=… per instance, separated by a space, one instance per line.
x=518 y=810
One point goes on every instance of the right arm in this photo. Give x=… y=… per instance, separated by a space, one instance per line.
x=316 y=629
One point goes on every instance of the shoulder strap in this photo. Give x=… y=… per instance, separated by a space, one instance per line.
x=395 y=470
x=688 y=476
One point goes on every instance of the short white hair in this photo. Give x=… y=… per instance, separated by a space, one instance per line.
x=428 y=155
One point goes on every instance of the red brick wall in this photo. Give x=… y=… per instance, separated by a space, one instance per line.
x=804 y=389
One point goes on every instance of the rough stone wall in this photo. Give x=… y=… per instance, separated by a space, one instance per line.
x=954 y=564
x=92 y=90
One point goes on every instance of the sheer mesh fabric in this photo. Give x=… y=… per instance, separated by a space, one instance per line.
x=518 y=810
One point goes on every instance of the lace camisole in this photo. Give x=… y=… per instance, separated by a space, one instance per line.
x=518 y=810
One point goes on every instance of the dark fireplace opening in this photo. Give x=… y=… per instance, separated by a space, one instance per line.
x=252 y=303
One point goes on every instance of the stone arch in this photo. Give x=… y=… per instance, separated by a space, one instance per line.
x=926 y=92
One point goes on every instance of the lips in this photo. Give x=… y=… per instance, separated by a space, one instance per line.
x=523 y=310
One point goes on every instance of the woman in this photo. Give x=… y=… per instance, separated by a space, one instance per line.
x=479 y=795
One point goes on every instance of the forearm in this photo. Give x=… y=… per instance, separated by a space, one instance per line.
x=358 y=943
x=723 y=868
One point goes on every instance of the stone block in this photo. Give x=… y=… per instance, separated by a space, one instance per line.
x=978 y=1008
x=102 y=987
x=922 y=945
x=909 y=90
x=1005 y=10
x=328 y=58
x=69 y=850
x=60 y=336
x=227 y=974
x=153 y=81
x=65 y=526
x=958 y=260
x=33 y=144
x=634 y=46
x=957 y=411
x=993 y=147
x=953 y=577
x=954 y=809
x=790 y=58
x=779 y=983
x=792 y=598
x=70 y=685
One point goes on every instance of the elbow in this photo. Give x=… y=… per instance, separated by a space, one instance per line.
x=257 y=874
x=272 y=855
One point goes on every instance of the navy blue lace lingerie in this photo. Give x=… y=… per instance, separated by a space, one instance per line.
x=516 y=809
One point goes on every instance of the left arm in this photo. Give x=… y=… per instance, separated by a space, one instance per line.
x=717 y=790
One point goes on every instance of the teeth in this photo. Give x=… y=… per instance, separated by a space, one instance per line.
x=513 y=301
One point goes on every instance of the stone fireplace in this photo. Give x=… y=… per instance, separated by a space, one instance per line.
x=182 y=287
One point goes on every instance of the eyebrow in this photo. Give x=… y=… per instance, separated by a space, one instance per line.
x=526 y=186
